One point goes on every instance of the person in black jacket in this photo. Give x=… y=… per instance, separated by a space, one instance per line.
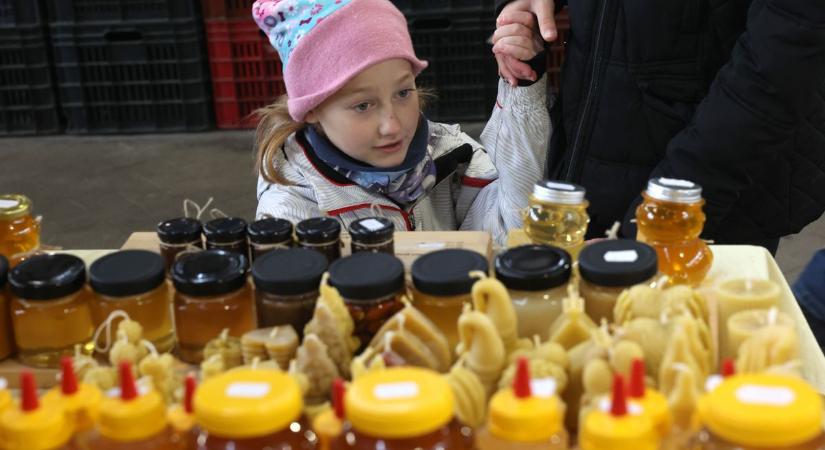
x=729 y=94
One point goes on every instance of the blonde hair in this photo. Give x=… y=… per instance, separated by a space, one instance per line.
x=275 y=126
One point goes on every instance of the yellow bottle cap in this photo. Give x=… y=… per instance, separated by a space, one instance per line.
x=180 y=420
x=531 y=419
x=132 y=416
x=399 y=403
x=763 y=410
x=618 y=425
x=13 y=206
x=5 y=396
x=248 y=403
x=181 y=417
x=33 y=426
x=527 y=412
x=652 y=402
x=83 y=406
x=328 y=427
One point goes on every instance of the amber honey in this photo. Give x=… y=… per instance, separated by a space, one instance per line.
x=50 y=309
x=6 y=343
x=212 y=293
x=670 y=219
x=19 y=230
x=557 y=215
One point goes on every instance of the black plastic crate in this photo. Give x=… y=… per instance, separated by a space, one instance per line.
x=462 y=67
x=27 y=95
x=132 y=79
x=445 y=6
x=19 y=13
x=120 y=11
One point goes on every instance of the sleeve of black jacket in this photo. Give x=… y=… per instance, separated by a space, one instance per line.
x=750 y=112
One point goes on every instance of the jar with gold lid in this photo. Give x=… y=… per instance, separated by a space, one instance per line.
x=19 y=230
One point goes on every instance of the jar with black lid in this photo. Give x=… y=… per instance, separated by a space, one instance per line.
x=322 y=234
x=178 y=235
x=269 y=234
x=372 y=234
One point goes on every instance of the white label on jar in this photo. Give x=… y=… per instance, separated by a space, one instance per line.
x=621 y=256
x=241 y=389
x=753 y=394
x=3 y=383
x=543 y=387
x=560 y=186
x=372 y=224
x=7 y=204
x=676 y=183
x=396 y=391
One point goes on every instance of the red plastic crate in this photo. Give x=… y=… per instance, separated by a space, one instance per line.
x=227 y=9
x=246 y=71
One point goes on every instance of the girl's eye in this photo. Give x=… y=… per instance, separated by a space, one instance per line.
x=405 y=93
x=361 y=107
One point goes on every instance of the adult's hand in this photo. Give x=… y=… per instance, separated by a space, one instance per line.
x=521 y=30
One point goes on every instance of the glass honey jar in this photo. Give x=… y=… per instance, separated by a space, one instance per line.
x=609 y=267
x=442 y=284
x=247 y=409
x=372 y=234
x=178 y=235
x=761 y=412
x=50 y=309
x=211 y=293
x=227 y=233
x=557 y=216
x=269 y=234
x=286 y=287
x=536 y=277
x=401 y=409
x=134 y=281
x=322 y=234
x=670 y=219
x=6 y=341
x=371 y=285
x=19 y=230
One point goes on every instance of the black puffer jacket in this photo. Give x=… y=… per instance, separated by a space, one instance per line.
x=727 y=93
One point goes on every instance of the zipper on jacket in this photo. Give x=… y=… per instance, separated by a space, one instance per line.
x=589 y=98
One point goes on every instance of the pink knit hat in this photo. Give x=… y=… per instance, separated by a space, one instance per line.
x=324 y=44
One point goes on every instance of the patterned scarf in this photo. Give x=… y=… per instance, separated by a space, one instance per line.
x=403 y=184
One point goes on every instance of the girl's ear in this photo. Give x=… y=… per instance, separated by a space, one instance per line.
x=311 y=117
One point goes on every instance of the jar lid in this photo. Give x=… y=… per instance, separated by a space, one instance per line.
x=209 y=273
x=247 y=403
x=763 y=410
x=371 y=229
x=13 y=206
x=180 y=230
x=270 y=231
x=225 y=230
x=288 y=272
x=447 y=272
x=48 y=277
x=533 y=267
x=618 y=262
x=127 y=272
x=602 y=431
x=318 y=230
x=367 y=276
x=399 y=403
x=559 y=192
x=4 y=271
x=674 y=190
x=530 y=420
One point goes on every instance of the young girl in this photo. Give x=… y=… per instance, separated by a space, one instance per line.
x=350 y=136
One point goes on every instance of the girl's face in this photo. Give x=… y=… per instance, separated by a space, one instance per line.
x=373 y=117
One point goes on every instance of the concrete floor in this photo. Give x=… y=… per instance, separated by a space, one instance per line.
x=94 y=191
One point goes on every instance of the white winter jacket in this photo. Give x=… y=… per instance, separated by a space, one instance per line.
x=480 y=186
